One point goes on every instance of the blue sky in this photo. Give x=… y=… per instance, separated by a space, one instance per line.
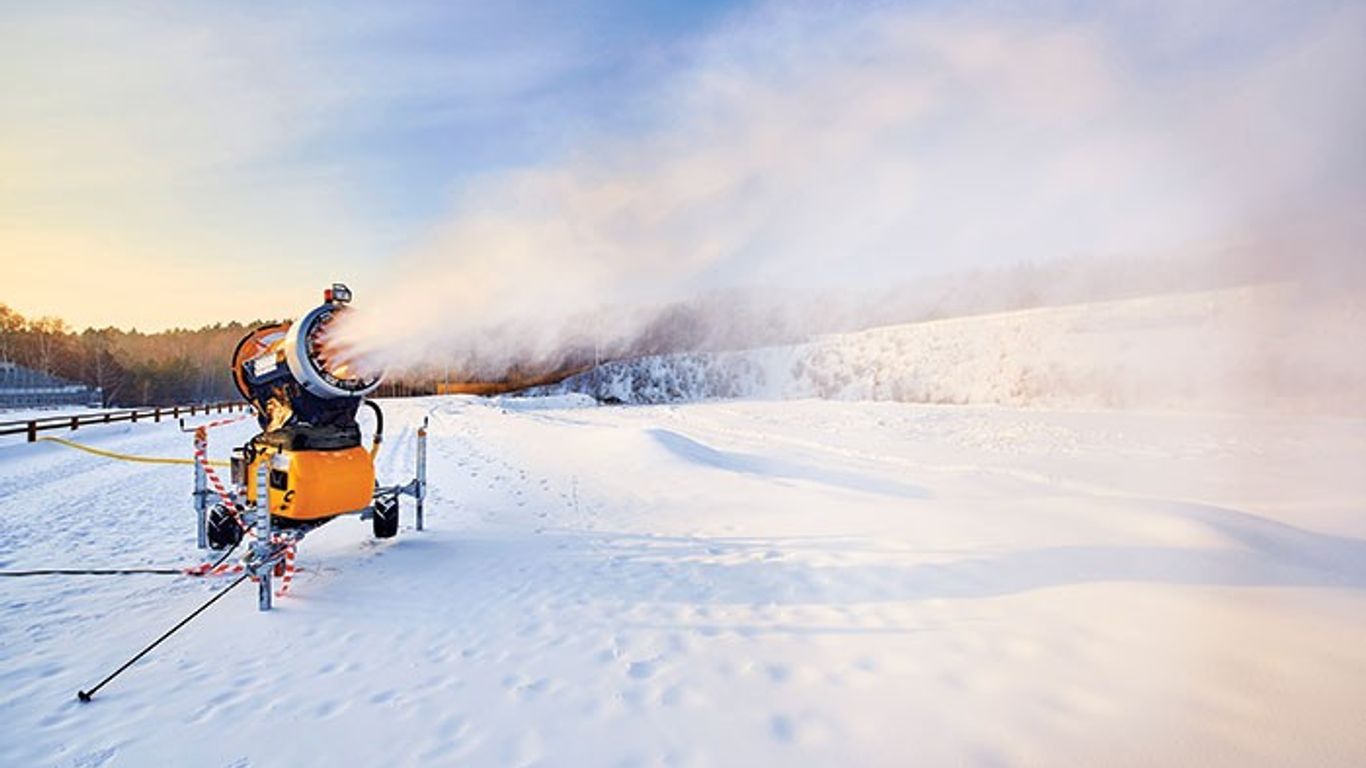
x=147 y=139
x=519 y=86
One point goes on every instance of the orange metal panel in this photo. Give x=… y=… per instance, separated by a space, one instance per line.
x=319 y=485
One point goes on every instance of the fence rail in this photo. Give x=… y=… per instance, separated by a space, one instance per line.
x=32 y=427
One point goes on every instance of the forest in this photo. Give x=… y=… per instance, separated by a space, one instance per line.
x=173 y=367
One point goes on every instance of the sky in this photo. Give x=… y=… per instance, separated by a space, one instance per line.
x=177 y=164
x=173 y=164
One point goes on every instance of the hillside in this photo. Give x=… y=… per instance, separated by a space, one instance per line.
x=1268 y=347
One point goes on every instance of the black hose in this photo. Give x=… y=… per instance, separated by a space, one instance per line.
x=86 y=695
x=379 y=421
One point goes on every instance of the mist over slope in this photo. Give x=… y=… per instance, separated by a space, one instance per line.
x=810 y=168
x=1261 y=348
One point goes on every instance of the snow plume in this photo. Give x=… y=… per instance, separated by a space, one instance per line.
x=808 y=160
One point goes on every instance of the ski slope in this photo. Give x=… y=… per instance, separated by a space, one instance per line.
x=1273 y=347
x=727 y=583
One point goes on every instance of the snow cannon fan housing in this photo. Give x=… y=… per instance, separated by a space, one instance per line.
x=293 y=373
x=306 y=397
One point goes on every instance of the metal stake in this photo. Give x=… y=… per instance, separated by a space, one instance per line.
x=262 y=546
x=421 y=471
x=201 y=494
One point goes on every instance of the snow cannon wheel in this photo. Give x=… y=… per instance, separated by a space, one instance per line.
x=385 y=519
x=222 y=529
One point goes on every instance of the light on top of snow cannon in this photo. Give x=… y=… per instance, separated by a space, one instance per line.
x=337 y=294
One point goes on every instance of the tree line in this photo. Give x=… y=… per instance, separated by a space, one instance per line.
x=131 y=368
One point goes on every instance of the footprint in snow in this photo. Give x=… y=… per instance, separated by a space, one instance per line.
x=783 y=728
x=95 y=759
x=642 y=670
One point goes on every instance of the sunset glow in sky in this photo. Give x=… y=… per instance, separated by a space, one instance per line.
x=168 y=164
x=165 y=164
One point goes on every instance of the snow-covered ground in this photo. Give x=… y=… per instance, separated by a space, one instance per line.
x=727 y=583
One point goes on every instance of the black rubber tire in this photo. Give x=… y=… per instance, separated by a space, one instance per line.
x=385 y=520
x=222 y=529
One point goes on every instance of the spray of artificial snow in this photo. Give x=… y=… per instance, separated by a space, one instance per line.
x=816 y=170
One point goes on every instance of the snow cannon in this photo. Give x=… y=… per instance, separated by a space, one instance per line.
x=308 y=465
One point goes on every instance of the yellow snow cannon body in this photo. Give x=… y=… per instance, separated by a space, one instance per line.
x=312 y=485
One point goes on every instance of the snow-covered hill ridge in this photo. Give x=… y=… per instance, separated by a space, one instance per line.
x=1267 y=347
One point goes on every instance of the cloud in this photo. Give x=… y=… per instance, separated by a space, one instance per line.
x=806 y=149
x=142 y=144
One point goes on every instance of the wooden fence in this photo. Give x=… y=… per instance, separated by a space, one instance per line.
x=32 y=427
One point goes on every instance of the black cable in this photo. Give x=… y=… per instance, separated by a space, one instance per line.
x=86 y=695
x=224 y=558
x=115 y=571
x=95 y=572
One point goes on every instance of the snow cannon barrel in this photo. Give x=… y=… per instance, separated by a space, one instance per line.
x=297 y=370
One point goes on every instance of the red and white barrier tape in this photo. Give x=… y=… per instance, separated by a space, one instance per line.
x=208 y=569
x=222 y=422
x=201 y=444
x=288 y=575
x=201 y=454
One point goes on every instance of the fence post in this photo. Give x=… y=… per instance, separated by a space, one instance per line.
x=134 y=417
x=106 y=417
x=156 y=415
x=33 y=431
x=75 y=422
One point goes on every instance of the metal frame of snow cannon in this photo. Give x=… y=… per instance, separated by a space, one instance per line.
x=269 y=548
x=417 y=487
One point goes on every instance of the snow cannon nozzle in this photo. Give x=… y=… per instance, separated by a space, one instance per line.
x=300 y=366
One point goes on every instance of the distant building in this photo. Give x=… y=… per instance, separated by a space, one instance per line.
x=22 y=387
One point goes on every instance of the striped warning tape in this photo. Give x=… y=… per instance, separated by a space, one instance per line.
x=286 y=565
x=201 y=455
x=287 y=575
x=208 y=569
x=222 y=422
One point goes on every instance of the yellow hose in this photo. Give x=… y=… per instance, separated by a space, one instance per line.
x=124 y=456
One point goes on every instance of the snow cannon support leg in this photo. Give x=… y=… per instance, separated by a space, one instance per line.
x=261 y=548
x=201 y=490
x=421 y=471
